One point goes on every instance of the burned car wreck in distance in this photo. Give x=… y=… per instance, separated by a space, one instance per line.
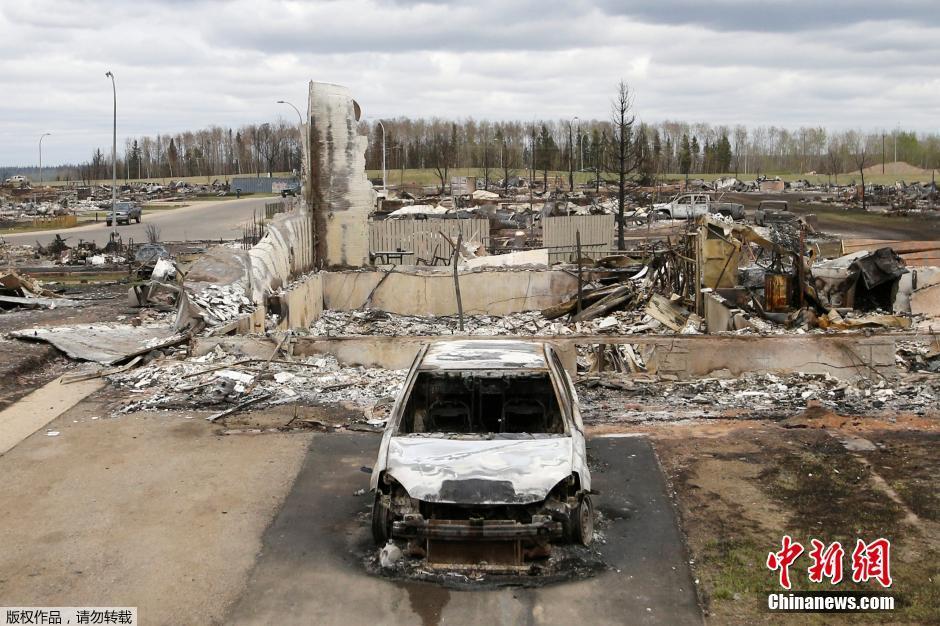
x=483 y=462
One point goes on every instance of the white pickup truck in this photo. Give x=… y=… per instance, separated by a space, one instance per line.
x=688 y=205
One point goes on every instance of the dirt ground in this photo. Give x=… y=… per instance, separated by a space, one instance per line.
x=26 y=366
x=849 y=223
x=740 y=486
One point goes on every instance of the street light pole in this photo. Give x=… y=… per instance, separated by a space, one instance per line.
x=40 y=156
x=382 y=126
x=113 y=159
x=303 y=143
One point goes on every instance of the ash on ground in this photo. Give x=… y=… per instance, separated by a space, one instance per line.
x=220 y=380
x=608 y=398
x=375 y=322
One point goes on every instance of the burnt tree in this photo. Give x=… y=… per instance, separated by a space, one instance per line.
x=624 y=157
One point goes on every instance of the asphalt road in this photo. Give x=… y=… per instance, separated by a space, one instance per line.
x=310 y=569
x=207 y=220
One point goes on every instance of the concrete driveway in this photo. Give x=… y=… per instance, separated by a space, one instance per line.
x=310 y=569
x=216 y=219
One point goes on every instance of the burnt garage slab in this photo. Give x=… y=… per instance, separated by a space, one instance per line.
x=311 y=568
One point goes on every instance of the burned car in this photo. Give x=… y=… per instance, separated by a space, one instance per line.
x=774 y=212
x=483 y=460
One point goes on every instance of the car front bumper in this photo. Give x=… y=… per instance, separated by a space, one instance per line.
x=416 y=527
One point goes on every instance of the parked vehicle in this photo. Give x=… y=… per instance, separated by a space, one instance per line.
x=124 y=212
x=17 y=180
x=293 y=189
x=774 y=212
x=484 y=445
x=691 y=205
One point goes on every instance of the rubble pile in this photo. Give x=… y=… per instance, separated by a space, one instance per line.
x=222 y=304
x=612 y=398
x=221 y=381
x=533 y=323
x=918 y=357
x=28 y=210
x=20 y=291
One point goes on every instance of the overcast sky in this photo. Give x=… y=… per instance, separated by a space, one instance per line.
x=186 y=64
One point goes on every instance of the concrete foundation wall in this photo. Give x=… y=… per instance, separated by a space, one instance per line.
x=432 y=293
x=285 y=251
x=302 y=304
x=845 y=357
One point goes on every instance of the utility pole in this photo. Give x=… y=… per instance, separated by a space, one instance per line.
x=40 y=156
x=113 y=160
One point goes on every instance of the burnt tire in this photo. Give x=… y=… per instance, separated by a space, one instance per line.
x=579 y=527
x=381 y=521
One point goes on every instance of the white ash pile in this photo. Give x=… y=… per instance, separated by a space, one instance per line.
x=612 y=398
x=222 y=303
x=374 y=322
x=19 y=210
x=219 y=380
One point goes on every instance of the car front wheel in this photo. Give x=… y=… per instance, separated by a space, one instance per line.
x=579 y=526
x=381 y=521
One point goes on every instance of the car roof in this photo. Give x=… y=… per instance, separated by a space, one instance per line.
x=484 y=354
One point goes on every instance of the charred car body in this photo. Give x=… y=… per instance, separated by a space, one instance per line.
x=483 y=457
x=774 y=212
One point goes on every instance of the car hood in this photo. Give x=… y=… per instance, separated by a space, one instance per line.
x=479 y=471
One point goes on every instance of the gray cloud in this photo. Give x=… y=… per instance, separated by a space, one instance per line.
x=774 y=16
x=182 y=65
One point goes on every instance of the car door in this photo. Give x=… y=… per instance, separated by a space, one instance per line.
x=569 y=398
x=394 y=417
x=680 y=209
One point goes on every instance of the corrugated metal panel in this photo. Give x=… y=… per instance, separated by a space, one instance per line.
x=253 y=184
x=422 y=239
x=559 y=236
